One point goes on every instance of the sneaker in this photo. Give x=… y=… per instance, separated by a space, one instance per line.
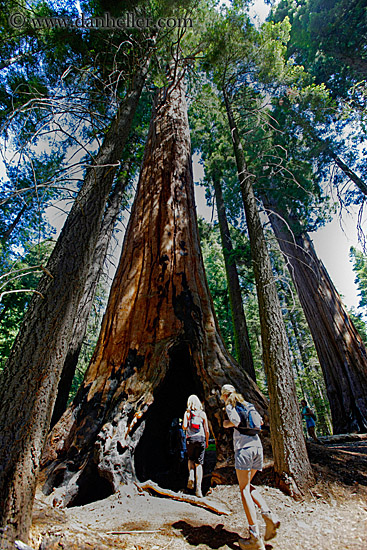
x=198 y=493
x=252 y=543
x=272 y=523
x=190 y=484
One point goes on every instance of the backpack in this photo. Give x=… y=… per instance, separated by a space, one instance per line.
x=251 y=421
x=195 y=421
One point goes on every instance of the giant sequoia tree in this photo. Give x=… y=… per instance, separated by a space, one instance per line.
x=159 y=340
x=341 y=351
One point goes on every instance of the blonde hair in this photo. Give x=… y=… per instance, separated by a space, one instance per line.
x=231 y=396
x=194 y=404
x=234 y=398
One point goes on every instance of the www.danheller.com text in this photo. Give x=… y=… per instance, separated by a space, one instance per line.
x=126 y=21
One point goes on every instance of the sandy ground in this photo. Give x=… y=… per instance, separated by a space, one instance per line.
x=332 y=516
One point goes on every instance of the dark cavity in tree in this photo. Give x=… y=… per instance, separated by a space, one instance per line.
x=156 y=456
x=92 y=487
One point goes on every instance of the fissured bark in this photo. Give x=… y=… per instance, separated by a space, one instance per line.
x=159 y=340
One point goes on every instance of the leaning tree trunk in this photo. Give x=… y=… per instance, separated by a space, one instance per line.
x=328 y=149
x=13 y=225
x=96 y=269
x=291 y=463
x=159 y=340
x=347 y=171
x=30 y=379
x=241 y=336
x=340 y=349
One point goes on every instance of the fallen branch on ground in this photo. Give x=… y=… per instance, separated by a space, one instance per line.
x=132 y=532
x=216 y=507
x=22 y=546
x=342 y=437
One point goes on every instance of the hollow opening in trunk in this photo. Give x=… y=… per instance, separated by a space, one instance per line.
x=160 y=455
x=92 y=487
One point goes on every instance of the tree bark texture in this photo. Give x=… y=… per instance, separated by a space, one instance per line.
x=29 y=381
x=340 y=349
x=291 y=463
x=159 y=340
x=85 y=305
x=241 y=336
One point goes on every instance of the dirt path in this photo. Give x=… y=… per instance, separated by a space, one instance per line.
x=333 y=515
x=335 y=520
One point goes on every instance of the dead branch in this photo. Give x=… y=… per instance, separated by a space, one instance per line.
x=218 y=508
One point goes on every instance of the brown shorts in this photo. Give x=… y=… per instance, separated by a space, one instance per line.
x=195 y=451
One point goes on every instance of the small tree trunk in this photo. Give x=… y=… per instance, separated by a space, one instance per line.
x=291 y=462
x=159 y=340
x=327 y=147
x=241 y=337
x=341 y=352
x=85 y=305
x=14 y=224
x=30 y=379
x=347 y=171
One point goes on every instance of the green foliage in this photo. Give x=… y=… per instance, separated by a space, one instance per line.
x=328 y=38
x=216 y=275
x=16 y=288
x=360 y=268
x=60 y=91
x=360 y=323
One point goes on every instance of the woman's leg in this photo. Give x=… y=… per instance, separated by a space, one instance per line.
x=272 y=522
x=244 y=479
x=256 y=495
x=312 y=433
x=191 y=482
x=199 y=479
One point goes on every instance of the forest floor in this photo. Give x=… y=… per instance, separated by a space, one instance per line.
x=332 y=515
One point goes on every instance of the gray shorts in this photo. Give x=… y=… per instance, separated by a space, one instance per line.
x=250 y=458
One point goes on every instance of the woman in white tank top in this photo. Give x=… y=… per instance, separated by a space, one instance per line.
x=195 y=424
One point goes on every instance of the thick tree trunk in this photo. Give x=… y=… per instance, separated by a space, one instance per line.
x=29 y=382
x=340 y=349
x=312 y=387
x=85 y=305
x=241 y=336
x=291 y=462
x=159 y=340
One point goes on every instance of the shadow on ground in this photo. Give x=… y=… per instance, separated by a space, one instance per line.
x=215 y=538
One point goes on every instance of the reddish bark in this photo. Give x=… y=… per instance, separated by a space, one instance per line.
x=159 y=340
x=340 y=349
